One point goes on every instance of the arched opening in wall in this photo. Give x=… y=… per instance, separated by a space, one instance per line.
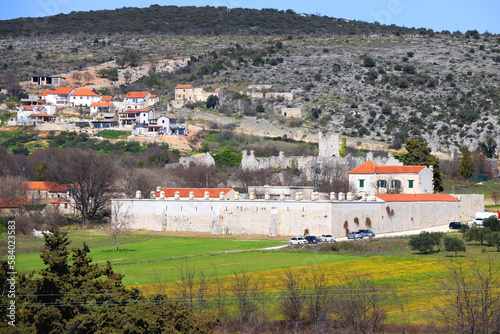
x=368 y=222
x=356 y=221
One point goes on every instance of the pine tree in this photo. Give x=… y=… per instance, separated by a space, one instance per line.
x=466 y=168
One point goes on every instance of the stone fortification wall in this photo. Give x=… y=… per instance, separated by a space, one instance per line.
x=329 y=144
x=309 y=164
x=291 y=217
x=206 y=160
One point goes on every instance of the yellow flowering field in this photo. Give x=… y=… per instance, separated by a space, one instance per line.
x=408 y=287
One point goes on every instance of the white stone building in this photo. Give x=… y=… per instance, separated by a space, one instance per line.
x=372 y=178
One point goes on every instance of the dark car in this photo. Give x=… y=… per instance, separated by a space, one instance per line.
x=456 y=225
x=367 y=233
x=312 y=239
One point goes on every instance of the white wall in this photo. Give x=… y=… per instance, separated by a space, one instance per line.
x=293 y=217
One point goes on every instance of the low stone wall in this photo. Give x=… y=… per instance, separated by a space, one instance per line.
x=292 y=217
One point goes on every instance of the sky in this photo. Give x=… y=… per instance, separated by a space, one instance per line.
x=452 y=15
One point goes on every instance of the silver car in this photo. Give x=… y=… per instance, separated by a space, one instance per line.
x=298 y=241
x=367 y=233
x=355 y=235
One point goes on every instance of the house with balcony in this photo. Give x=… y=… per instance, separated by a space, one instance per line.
x=139 y=100
x=131 y=117
x=59 y=97
x=29 y=115
x=372 y=178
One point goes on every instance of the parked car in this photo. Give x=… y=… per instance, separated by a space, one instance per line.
x=367 y=233
x=456 y=225
x=327 y=238
x=298 y=241
x=355 y=235
x=477 y=222
x=312 y=239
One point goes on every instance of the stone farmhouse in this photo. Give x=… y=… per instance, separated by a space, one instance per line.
x=263 y=92
x=185 y=94
x=372 y=178
x=293 y=112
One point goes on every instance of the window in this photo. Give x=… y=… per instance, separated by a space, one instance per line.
x=395 y=184
x=410 y=183
x=361 y=183
x=381 y=184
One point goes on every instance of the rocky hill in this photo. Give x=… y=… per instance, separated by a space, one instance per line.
x=367 y=81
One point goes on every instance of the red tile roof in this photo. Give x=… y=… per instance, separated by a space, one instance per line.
x=136 y=95
x=101 y=104
x=84 y=92
x=417 y=198
x=153 y=96
x=183 y=86
x=37 y=185
x=32 y=107
x=6 y=203
x=106 y=98
x=62 y=90
x=198 y=192
x=370 y=167
x=58 y=91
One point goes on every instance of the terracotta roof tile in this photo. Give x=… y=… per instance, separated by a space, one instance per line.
x=101 y=104
x=370 y=167
x=106 y=98
x=84 y=92
x=42 y=115
x=136 y=95
x=183 y=86
x=198 y=192
x=417 y=198
x=153 y=96
x=37 y=185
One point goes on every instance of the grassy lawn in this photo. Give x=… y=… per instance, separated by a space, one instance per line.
x=112 y=134
x=146 y=259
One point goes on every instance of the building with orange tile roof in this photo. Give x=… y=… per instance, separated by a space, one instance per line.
x=58 y=97
x=139 y=100
x=372 y=178
x=84 y=97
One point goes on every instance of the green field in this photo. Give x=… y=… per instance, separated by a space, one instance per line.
x=148 y=259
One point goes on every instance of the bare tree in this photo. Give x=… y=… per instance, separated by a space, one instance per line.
x=7 y=163
x=77 y=77
x=318 y=301
x=88 y=77
x=293 y=298
x=88 y=176
x=120 y=221
x=471 y=302
x=244 y=288
x=359 y=304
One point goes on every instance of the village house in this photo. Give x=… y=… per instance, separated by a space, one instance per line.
x=27 y=115
x=102 y=107
x=58 y=97
x=139 y=100
x=188 y=94
x=51 y=194
x=131 y=117
x=84 y=98
x=372 y=178
x=293 y=112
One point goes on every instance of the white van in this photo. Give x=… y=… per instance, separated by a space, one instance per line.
x=480 y=216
